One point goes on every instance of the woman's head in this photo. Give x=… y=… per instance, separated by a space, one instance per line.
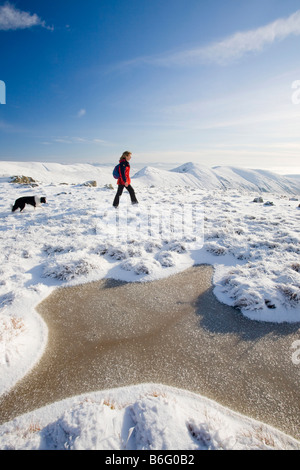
x=126 y=155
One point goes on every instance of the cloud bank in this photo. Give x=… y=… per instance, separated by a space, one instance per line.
x=12 y=19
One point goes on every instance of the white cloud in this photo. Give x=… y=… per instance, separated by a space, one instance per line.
x=229 y=49
x=81 y=113
x=11 y=18
x=77 y=140
x=241 y=43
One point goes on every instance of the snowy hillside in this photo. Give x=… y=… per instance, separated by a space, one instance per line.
x=56 y=172
x=253 y=248
x=204 y=176
x=256 y=180
x=219 y=178
x=239 y=179
x=190 y=174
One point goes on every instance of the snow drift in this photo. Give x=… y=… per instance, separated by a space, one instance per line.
x=144 y=417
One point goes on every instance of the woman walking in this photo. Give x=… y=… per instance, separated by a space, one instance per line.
x=124 y=180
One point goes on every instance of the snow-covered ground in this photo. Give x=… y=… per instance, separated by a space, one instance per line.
x=141 y=417
x=253 y=246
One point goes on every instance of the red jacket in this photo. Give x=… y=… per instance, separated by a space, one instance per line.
x=124 y=170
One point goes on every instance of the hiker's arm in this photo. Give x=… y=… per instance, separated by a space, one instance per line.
x=123 y=167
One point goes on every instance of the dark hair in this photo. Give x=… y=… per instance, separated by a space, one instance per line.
x=125 y=154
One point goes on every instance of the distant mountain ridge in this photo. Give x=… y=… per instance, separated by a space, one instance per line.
x=189 y=174
x=220 y=177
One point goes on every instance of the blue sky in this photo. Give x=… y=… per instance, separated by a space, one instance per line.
x=173 y=81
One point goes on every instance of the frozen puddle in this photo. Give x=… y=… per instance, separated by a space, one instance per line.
x=110 y=334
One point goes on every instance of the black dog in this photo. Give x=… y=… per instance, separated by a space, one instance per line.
x=32 y=200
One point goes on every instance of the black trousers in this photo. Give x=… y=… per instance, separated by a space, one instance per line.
x=119 y=194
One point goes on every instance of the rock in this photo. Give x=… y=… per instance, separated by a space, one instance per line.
x=269 y=203
x=258 y=199
x=270 y=304
x=90 y=184
x=109 y=186
x=23 y=180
